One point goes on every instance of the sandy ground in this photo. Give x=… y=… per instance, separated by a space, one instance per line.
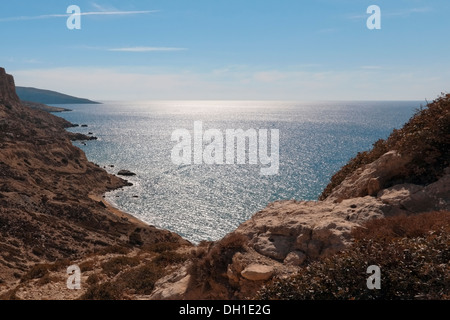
x=117 y=212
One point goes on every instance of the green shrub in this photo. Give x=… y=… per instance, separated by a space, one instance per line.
x=410 y=269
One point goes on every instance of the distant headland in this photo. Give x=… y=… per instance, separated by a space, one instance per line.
x=49 y=97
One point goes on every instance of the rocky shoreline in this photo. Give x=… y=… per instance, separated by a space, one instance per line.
x=44 y=107
x=47 y=209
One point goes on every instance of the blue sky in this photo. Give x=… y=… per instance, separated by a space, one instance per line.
x=230 y=49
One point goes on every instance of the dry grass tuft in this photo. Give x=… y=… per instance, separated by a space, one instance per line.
x=413 y=254
x=425 y=137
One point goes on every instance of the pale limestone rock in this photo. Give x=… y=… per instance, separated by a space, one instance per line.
x=371 y=178
x=414 y=199
x=315 y=228
x=273 y=246
x=286 y=234
x=172 y=287
x=257 y=272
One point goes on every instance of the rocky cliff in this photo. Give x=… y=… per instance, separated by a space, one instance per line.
x=8 y=96
x=50 y=196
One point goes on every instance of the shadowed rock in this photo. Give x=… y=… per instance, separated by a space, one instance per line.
x=126 y=173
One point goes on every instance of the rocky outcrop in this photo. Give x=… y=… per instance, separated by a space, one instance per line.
x=411 y=198
x=173 y=286
x=8 y=96
x=46 y=186
x=80 y=137
x=126 y=173
x=372 y=178
x=43 y=107
x=287 y=235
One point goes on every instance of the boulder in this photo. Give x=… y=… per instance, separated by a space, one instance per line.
x=257 y=272
x=126 y=173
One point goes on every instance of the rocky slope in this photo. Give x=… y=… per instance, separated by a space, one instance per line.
x=50 y=195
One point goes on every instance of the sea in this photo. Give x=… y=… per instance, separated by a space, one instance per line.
x=201 y=201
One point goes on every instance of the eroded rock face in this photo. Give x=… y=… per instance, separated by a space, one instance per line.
x=371 y=179
x=48 y=209
x=8 y=94
x=286 y=235
x=312 y=229
x=173 y=286
x=415 y=199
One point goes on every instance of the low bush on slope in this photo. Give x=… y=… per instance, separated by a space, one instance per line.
x=412 y=252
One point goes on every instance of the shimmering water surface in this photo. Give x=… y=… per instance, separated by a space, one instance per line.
x=205 y=202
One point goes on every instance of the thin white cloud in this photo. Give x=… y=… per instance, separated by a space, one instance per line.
x=146 y=49
x=408 y=12
x=235 y=84
x=99 y=7
x=401 y=13
x=65 y=15
x=116 y=13
x=269 y=76
x=327 y=30
x=371 y=67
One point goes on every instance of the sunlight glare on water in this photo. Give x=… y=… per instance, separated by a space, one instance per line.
x=205 y=202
